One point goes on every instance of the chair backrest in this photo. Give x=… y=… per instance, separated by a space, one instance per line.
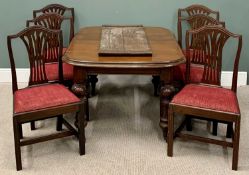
x=48 y=20
x=192 y=10
x=54 y=8
x=40 y=42
x=51 y=21
x=209 y=44
x=198 y=9
x=59 y=9
x=197 y=21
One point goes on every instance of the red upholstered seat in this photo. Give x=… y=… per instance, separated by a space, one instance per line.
x=52 y=71
x=208 y=97
x=64 y=49
x=44 y=96
x=196 y=73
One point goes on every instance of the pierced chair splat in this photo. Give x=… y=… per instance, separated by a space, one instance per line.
x=185 y=14
x=193 y=10
x=66 y=11
x=208 y=100
x=42 y=100
x=194 y=22
x=54 y=21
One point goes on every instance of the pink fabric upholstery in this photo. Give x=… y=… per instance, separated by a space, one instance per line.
x=179 y=72
x=52 y=71
x=208 y=97
x=196 y=73
x=40 y=97
x=64 y=50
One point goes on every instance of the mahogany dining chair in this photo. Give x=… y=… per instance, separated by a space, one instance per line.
x=42 y=100
x=194 y=17
x=208 y=100
x=53 y=21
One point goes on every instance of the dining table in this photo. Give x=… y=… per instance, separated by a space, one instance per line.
x=83 y=54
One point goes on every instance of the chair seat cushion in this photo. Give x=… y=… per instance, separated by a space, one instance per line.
x=196 y=73
x=64 y=49
x=52 y=71
x=40 y=97
x=208 y=97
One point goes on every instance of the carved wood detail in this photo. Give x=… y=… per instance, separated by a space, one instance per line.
x=50 y=21
x=66 y=12
x=209 y=42
x=194 y=10
x=38 y=42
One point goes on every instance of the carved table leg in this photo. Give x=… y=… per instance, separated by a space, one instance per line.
x=166 y=93
x=79 y=88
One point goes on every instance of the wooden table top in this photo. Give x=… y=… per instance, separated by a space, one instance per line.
x=83 y=50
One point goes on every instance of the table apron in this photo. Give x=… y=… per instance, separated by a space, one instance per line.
x=126 y=71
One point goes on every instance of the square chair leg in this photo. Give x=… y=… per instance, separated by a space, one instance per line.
x=59 y=123
x=81 y=129
x=170 y=135
x=16 y=128
x=236 y=145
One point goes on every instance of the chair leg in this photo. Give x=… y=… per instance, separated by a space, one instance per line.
x=189 y=123
x=87 y=109
x=215 y=128
x=170 y=135
x=156 y=82
x=20 y=131
x=87 y=97
x=81 y=129
x=16 y=128
x=236 y=145
x=229 y=130
x=59 y=123
x=32 y=125
x=93 y=80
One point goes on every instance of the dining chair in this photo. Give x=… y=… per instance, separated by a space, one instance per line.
x=208 y=100
x=42 y=100
x=66 y=11
x=199 y=16
x=53 y=21
x=183 y=13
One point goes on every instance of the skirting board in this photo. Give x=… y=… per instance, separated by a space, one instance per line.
x=23 y=76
